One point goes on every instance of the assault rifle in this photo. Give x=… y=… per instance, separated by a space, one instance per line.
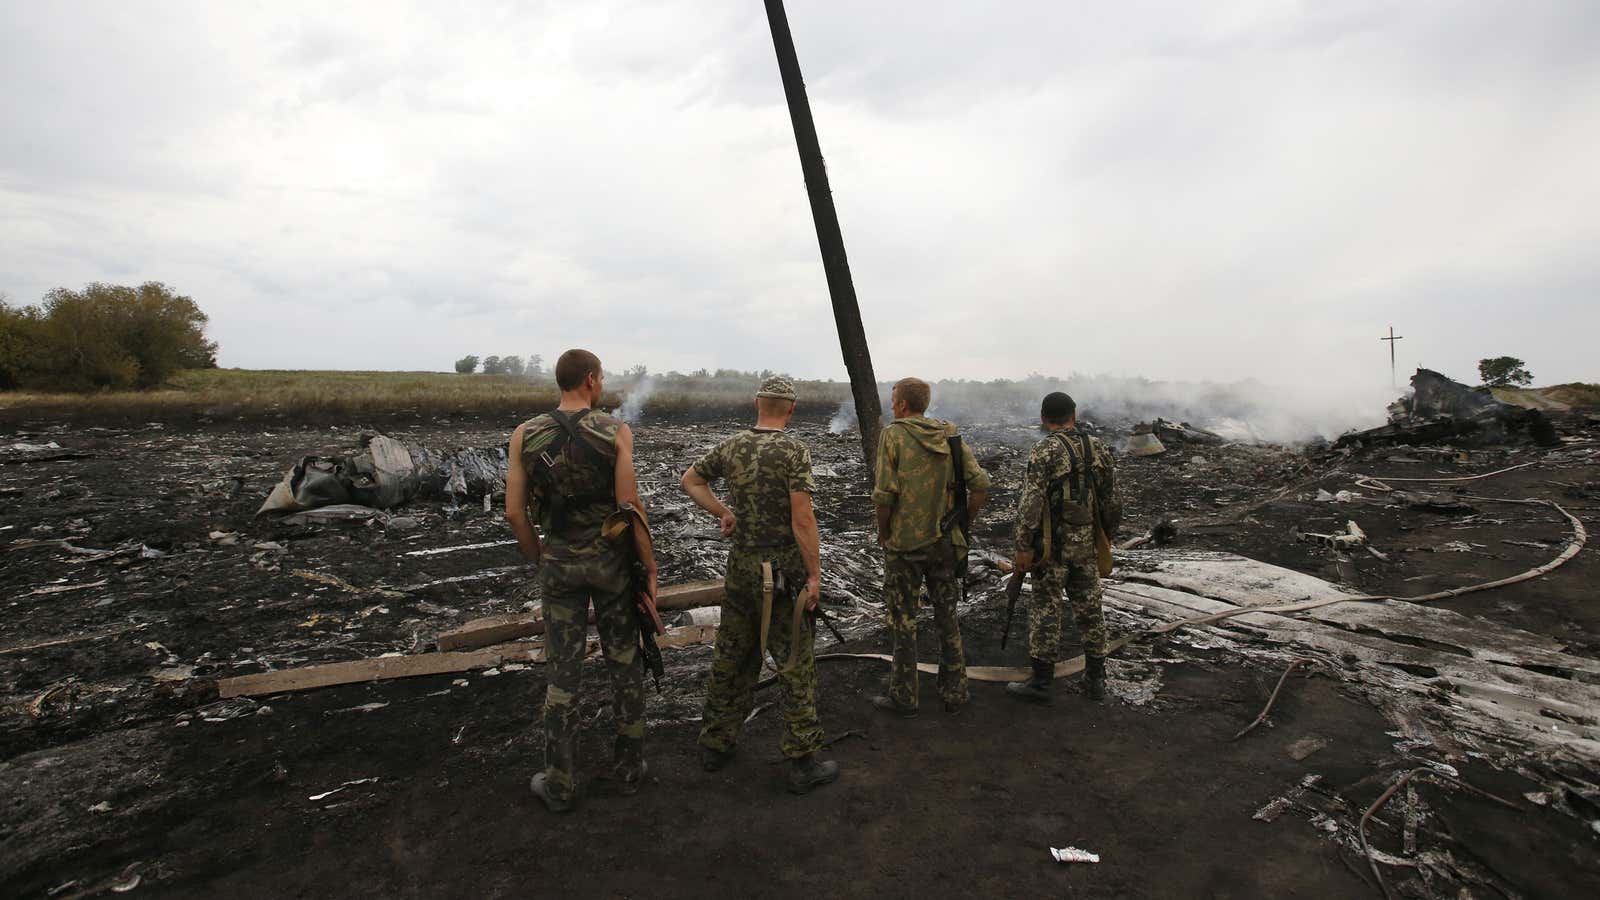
x=1013 y=592
x=781 y=588
x=957 y=518
x=650 y=624
x=1014 y=583
x=623 y=527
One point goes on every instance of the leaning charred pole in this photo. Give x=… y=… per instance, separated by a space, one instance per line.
x=846 y=313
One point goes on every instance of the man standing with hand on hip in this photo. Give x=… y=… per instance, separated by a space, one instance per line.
x=774 y=532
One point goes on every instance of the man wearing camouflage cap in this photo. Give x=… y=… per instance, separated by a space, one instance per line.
x=919 y=460
x=771 y=521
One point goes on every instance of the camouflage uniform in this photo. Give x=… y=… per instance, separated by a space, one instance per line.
x=761 y=467
x=916 y=480
x=1054 y=466
x=578 y=564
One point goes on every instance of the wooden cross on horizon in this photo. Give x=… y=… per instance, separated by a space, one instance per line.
x=1394 y=378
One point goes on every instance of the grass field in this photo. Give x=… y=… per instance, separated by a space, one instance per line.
x=324 y=395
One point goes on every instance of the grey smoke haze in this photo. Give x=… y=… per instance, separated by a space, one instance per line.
x=1189 y=192
x=1248 y=411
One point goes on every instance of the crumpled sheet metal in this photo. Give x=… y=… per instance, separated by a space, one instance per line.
x=387 y=474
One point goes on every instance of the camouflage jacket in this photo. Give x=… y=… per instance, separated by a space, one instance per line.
x=916 y=479
x=1054 y=480
x=586 y=481
x=762 y=467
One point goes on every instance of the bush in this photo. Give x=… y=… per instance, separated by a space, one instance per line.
x=1504 y=371
x=466 y=365
x=105 y=336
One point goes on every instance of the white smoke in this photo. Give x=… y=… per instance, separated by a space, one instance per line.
x=844 y=419
x=638 y=395
x=1247 y=411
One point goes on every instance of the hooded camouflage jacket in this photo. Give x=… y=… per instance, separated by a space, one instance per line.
x=762 y=467
x=1053 y=480
x=916 y=479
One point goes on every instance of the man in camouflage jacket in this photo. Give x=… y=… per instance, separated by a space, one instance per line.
x=1071 y=479
x=915 y=500
x=770 y=520
x=570 y=486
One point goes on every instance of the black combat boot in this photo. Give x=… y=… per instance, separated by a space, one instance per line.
x=713 y=760
x=1094 y=677
x=887 y=704
x=807 y=772
x=1039 y=687
x=541 y=789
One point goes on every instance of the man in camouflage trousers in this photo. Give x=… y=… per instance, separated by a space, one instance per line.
x=571 y=469
x=771 y=520
x=1072 y=479
x=915 y=500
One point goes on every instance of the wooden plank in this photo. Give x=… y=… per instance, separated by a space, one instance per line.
x=691 y=595
x=377 y=669
x=498 y=629
x=384 y=668
x=491 y=630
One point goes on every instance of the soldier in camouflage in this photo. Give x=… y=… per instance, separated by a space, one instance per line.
x=770 y=520
x=915 y=500
x=569 y=470
x=1070 y=478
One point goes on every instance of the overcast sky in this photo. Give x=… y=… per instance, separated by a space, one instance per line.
x=1178 y=190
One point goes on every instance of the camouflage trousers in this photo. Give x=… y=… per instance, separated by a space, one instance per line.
x=1067 y=580
x=567 y=586
x=736 y=665
x=904 y=574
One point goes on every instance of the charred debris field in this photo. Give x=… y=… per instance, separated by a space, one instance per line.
x=135 y=577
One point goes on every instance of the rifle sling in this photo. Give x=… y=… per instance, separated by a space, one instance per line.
x=774 y=583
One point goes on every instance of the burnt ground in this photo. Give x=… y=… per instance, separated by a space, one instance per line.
x=117 y=762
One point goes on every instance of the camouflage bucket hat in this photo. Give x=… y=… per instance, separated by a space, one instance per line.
x=777 y=388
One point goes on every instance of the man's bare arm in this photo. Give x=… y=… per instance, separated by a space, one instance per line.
x=803 y=520
x=517 y=501
x=975 y=503
x=627 y=490
x=699 y=490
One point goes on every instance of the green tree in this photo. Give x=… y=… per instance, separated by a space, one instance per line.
x=535 y=366
x=466 y=365
x=115 y=336
x=493 y=366
x=1504 y=371
x=19 y=342
x=511 y=365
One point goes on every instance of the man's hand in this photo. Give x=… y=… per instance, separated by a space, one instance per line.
x=729 y=520
x=813 y=592
x=1024 y=560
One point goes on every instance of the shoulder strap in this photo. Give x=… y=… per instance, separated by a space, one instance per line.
x=1090 y=494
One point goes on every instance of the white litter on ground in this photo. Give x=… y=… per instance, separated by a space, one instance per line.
x=1073 y=854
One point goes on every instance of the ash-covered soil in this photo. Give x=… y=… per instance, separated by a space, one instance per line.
x=135 y=573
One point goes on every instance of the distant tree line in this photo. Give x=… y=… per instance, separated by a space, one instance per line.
x=105 y=336
x=502 y=365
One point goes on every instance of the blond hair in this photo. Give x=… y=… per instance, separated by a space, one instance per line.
x=915 y=393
